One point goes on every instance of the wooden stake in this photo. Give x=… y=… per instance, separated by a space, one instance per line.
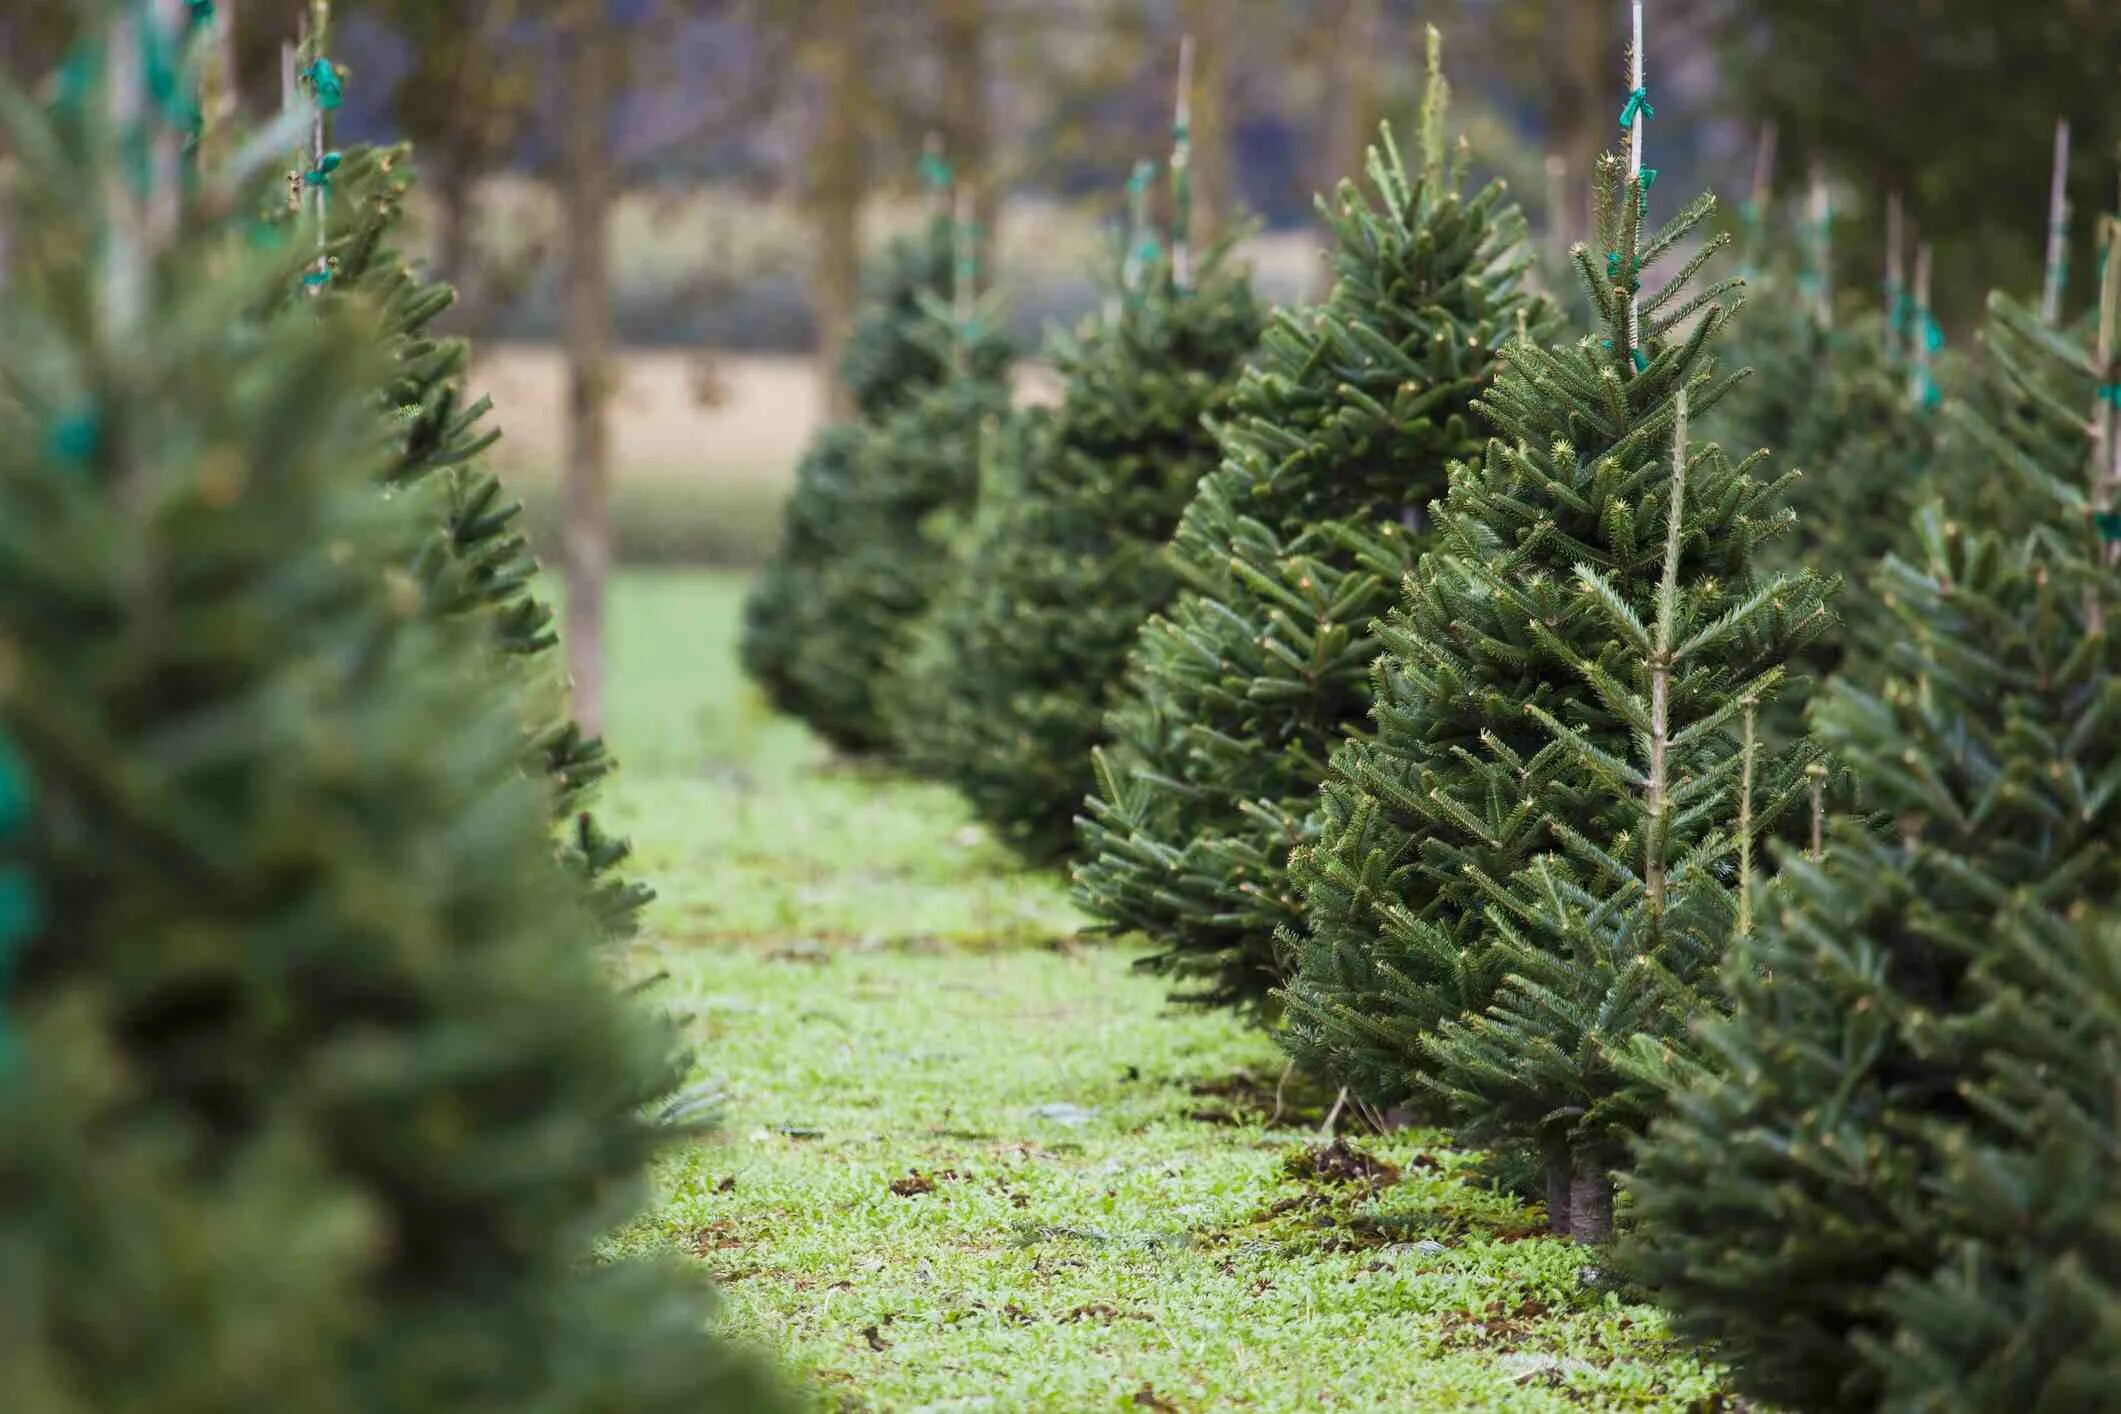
x=1636 y=84
x=1661 y=668
x=1745 y=823
x=1919 y=386
x=1895 y=271
x=1135 y=263
x=124 y=283
x=231 y=85
x=1558 y=234
x=1822 y=250
x=2105 y=471
x=1816 y=776
x=319 y=28
x=965 y=274
x=1182 y=171
x=2057 y=230
x=1763 y=173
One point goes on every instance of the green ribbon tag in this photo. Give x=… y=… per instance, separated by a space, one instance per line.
x=324 y=82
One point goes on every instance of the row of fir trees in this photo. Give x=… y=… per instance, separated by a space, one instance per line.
x=316 y=1091
x=1732 y=843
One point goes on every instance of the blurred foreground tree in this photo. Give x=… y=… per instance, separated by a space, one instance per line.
x=320 y=1100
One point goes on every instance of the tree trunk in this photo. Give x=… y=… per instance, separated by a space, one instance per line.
x=1584 y=71
x=836 y=202
x=1591 y=1203
x=588 y=53
x=1557 y=1166
x=453 y=264
x=967 y=123
x=1214 y=172
x=1358 y=36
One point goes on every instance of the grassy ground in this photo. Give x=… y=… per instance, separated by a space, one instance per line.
x=969 y=1165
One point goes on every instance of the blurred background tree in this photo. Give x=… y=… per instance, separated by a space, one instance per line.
x=757 y=151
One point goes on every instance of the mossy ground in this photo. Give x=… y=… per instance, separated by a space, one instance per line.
x=966 y=1163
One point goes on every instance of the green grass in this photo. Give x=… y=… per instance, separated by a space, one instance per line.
x=898 y=1206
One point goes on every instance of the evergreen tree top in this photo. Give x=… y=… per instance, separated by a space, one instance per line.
x=892 y=352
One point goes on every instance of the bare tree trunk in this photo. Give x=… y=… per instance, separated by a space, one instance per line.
x=837 y=199
x=1591 y=1204
x=1557 y=1166
x=453 y=197
x=1584 y=69
x=588 y=52
x=1358 y=41
x=967 y=122
x=1208 y=21
x=1358 y=36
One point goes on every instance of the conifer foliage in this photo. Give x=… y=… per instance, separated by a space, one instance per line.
x=321 y=1097
x=479 y=561
x=876 y=499
x=1887 y=1178
x=1336 y=441
x=1525 y=866
x=1057 y=581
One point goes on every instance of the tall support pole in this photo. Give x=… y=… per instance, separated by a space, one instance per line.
x=1638 y=87
x=2104 y=474
x=1560 y=228
x=1182 y=171
x=964 y=277
x=2057 y=230
x=1895 y=272
x=1822 y=251
x=1921 y=387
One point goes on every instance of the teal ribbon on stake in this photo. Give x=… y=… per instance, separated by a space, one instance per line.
x=324 y=82
x=2109 y=523
x=75 y=438
x=1637 y=106
x=21 y=910
x=936 y=174
x=2111 y=392
x=320 y=175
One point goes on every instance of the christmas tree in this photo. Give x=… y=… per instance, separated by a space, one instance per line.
x=318 y=1098
x=888 y=523
x=1557 y=704
x=1059 y=579
x=480 y=562
x=1834 y=396
x=1335 y=442
x=1876 y=1188
x=2025 y=1312
x=902 y=357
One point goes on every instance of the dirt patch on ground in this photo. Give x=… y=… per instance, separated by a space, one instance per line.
x=1340 y=1163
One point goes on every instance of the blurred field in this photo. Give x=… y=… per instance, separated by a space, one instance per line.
x=702 y=449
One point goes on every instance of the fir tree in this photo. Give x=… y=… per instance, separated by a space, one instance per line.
x=1336 y=440
x=1832 y=1200
x=1483 y=862
x=888 y=526
x=895 y=362
x=1838 y=404
x=1059 y=578
x=2025 y=1311
x=320 y=1098
x=480 y=563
